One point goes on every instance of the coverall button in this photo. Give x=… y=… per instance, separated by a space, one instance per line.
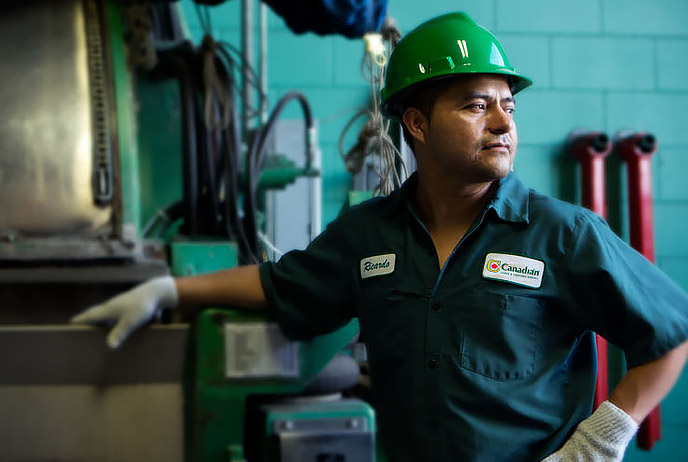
x=435 y=306
x=432 y=363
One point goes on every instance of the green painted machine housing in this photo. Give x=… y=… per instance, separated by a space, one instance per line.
x=215 y=405
x=188 y=258
x=127 y=147
x=295 y=428
x=214 y=414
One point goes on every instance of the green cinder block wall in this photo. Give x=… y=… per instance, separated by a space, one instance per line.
x=604 y=65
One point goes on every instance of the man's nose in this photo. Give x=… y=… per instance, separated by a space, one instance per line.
x=499 y=120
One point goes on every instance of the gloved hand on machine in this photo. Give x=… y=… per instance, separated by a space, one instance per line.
x=238 y=286
x=602 y=437
x=132 y=309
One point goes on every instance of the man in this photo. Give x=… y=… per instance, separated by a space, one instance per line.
x=477 y=297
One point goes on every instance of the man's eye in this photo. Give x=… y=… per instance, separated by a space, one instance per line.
x=510 y=110
x=480 y=106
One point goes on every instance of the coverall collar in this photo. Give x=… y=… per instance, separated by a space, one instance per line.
x=510 y=202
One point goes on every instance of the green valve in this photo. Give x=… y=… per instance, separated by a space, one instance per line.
x=278 y=178
x=279 y=172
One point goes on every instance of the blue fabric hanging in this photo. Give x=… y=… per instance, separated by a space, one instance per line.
x=350 y=18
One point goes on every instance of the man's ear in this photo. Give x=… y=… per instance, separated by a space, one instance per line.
x=416 y=123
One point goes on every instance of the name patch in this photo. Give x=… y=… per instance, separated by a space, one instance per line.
x=522 y=271
x=377 y=265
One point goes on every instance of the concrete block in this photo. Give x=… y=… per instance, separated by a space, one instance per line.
x=299 y=61
x=275 y=21
x=672 y=65
x=409 y=14
x=530 y=56
x=663 y=115
x=603 y=63
x=228 y=15
x=671 y=229
x=347 y=56
x=196 y=33
x=677 y=269
x=548 y=116
x=536 y=166
x=658 y=17
x=189 y=13
x=231 y=35
x=334 y=174
x=336 y=183
x=670 y=165
x=557 y=16
x=222 y=16
x=673 y=441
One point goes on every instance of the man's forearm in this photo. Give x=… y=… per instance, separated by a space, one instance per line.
x=238 y=286
x=643 y=387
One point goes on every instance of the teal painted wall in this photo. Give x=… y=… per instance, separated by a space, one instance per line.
x=607 y=65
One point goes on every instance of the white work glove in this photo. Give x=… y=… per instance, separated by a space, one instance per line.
x=602 y=437
x=131 y=309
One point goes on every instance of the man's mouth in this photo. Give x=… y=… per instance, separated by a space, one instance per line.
x=497 y=147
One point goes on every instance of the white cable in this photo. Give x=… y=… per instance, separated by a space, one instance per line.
x=159 y=214
x=264 y=239
x=374 y=138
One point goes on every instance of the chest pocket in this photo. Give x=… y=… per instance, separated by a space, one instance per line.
x=500 y=334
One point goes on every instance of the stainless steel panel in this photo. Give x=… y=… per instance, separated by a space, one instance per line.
x=91 y=422
x=75 y=354
x=65 y=396
x=46 y=141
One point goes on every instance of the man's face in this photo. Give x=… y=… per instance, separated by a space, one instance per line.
x=471 y=131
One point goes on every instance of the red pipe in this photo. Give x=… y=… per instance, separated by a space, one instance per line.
x=637 y=150
x=591 y=148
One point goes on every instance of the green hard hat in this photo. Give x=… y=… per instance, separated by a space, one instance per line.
x=443 y=46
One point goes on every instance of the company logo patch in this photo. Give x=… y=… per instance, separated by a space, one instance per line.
x=493 y=266
x=522 y=271
x=378 y=265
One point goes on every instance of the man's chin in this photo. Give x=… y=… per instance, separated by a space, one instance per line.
x=489 y=175
x=498 y=166
x=499 y=171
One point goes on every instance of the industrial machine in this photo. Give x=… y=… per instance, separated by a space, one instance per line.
x=126 y=155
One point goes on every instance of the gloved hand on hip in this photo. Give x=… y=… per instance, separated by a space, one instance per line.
x=602 y=437
x=132 y=309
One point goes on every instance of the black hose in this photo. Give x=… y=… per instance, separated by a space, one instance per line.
x=254 y=162
x=207 y=195
x=231 y=147
x=177 y=62
x=201 y=182
x=214 y=143
x=276 y=112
